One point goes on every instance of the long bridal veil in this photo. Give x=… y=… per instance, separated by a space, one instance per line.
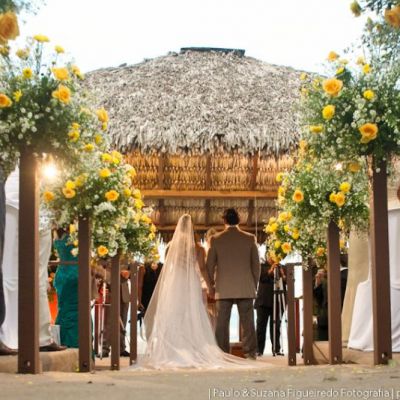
x=178 y=330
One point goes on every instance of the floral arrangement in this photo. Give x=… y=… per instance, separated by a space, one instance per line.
x=355 y=112
x=43 y=106
x=390 y=9
x=100 y=187
x=311 y=195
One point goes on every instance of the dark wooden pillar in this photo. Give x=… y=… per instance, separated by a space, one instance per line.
x=115 y=313
x=308 y=339
x=334 y=296
x=28 y=264
x=84 y=292
x=134 y=309
x=380 y=267
x=291 y=315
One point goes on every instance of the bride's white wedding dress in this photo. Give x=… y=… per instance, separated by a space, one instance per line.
x=178 y=330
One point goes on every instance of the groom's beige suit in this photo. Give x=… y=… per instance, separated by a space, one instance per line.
x=233 y=265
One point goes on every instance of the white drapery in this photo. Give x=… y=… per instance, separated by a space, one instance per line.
x=361 y=333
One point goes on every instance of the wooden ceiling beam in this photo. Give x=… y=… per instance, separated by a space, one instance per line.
x=209 y=194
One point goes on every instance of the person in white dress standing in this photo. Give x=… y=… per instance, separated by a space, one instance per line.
x=178 y=330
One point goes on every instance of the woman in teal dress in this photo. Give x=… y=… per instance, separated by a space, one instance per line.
x=66 y=284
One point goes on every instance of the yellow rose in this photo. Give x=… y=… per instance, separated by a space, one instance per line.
x=328 y=112
x=69 y=193
x=286 y=228
x=59 y=49
x=139 y=204
x=9 y=29
x=62 y=94
x=277 y=244
x=298 y=196
x=75 y=243
x=80 y=180
x=5 y=101
x=105 y=157
x=72 y=228
x=131 y=171
x=104 y=173
x=73 y=136
x=153 y=228
x=17 y=95
x=355 y=8
x=27 y=73
x=146 y=219
x=70 y=185
x=342 y=243
x=112 y=195
x=61 y=74
x=369 y=94
x=89 y=147
x=345 y=187
x=303 y=145
x=77 y=72
x=98 y=139
x=295 y=234
x=279 y=177
x=392 y=16
x=332 y=197
x=368 y=132
x=48 y=196
x=366 y=68
x=340 y=70
x=127 y=192
x=102 y=251
x=272 y=220
x=102 y=115
x=304 y=92
x=360 y=60
x=340 y=199
x=316 y=128
x=281 y=191
x=303 y=76
x=286 y=247
x=320 y=252
x=41 y=38
x=332 y=56
x=354 y=166
x=332 y=86
x=23 y=54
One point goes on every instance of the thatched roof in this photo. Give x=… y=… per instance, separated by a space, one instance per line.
x=199 y=101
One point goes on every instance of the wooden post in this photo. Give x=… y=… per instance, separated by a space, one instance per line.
x=308 y=354
x=380 y=267
x=334 y=296
x=115 y=313
x=297 y=316
x=134 y=309
x=291 y=315
x=28 y=264
x=84 y=292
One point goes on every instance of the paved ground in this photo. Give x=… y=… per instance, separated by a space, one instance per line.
x=273 y=382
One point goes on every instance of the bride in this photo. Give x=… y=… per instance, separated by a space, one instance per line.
x=178 y=330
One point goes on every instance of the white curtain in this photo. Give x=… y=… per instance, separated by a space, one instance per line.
x=361 y=333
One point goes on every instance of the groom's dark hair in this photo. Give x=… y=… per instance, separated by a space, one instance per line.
x=231 y=216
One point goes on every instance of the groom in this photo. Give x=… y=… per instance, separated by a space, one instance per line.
x=233 y=265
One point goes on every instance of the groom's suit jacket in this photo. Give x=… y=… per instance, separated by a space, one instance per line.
x=233 y=264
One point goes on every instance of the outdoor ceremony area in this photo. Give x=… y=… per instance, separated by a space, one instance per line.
x=188 y=210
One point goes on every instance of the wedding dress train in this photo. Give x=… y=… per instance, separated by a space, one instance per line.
x=178 y=330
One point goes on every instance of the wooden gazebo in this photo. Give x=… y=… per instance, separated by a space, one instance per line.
x=206 y=129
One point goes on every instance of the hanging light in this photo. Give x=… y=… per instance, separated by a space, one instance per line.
x=50 y=171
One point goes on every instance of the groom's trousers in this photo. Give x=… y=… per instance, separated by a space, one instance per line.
x=246 y=314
